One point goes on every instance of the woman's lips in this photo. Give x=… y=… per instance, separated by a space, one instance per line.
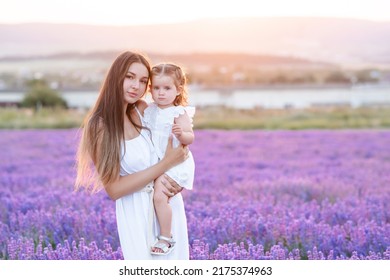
x=132 y=94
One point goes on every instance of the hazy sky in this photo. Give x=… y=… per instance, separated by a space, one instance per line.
x=127 y=12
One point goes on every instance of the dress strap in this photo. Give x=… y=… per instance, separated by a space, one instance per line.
x=139 y=113
x=149 y=188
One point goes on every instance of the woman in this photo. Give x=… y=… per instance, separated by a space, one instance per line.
x=118 y=144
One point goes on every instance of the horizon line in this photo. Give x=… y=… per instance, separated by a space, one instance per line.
x=195 y=20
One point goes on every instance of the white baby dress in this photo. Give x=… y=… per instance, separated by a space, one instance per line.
x=160 y=122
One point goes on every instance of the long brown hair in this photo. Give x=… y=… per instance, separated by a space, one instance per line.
x=98 y=155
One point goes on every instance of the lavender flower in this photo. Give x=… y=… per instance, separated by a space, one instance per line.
x=257 y=195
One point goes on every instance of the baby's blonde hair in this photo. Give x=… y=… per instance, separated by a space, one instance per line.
x=179 y=78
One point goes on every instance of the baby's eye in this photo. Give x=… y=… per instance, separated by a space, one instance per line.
x=144 y=82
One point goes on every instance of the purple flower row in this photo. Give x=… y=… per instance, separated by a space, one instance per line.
x=257 y=195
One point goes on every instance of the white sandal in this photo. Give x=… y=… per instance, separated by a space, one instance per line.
x=164 y=247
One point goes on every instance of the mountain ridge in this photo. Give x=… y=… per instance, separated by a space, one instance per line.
x=333 y=40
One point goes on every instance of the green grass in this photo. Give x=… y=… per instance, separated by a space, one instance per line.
x=12 y=118
x=221 y=118
x=314 y=118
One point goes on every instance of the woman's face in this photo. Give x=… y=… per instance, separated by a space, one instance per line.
x=135 y=83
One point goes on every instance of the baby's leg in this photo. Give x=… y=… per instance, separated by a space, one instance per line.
x=163 y=209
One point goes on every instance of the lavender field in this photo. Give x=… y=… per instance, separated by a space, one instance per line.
x=257 y=195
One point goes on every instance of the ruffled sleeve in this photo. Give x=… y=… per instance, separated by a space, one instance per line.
x=190 y=111
x=180 y=110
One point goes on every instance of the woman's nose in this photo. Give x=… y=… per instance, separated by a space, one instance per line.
x=135 y=84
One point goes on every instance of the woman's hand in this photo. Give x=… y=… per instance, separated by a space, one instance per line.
x=175 y=156
x=171 y=187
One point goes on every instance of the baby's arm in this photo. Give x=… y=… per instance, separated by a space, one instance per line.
x=182 y=129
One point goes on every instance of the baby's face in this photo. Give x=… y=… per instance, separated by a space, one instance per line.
x=163 y=90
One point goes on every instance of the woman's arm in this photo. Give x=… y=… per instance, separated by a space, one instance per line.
x=131 y=183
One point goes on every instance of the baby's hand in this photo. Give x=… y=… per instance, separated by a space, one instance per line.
x=177 y=130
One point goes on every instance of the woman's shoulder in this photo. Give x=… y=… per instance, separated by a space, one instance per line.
x=142 y=105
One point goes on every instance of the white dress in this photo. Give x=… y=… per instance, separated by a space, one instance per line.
x=132 y=211
x=160 y=122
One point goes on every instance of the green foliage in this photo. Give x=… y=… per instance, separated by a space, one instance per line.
x=47 y=118
x=294 y=119
x=221 y=118
x=367 y=76
x=337 y=77
x=41 y=95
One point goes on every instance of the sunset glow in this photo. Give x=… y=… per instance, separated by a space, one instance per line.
x=124 y=12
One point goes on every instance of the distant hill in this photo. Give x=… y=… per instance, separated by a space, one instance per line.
x=192 y=60
x=342 y=41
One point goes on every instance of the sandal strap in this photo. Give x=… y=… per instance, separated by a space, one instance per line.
x=161 y=246
x=171 y=241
